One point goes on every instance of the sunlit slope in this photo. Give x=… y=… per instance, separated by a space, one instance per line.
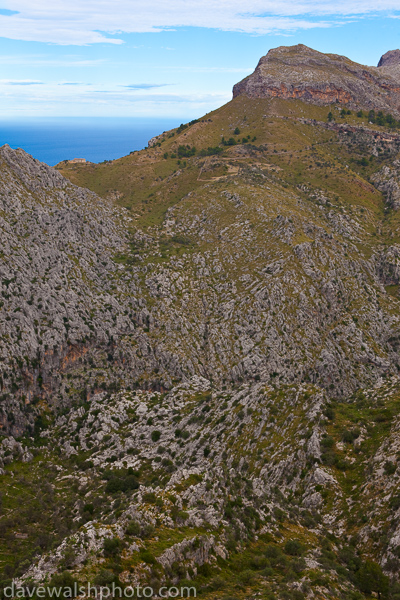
x=149 y=181
x=273 y=253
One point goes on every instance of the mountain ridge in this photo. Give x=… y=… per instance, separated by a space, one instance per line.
x=301 y=72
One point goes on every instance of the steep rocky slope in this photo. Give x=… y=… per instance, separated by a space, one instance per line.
x=206 y=296
x=265 y=490
x=69 y=313
x=200 y=356
x=390 y=59
x=300 y=72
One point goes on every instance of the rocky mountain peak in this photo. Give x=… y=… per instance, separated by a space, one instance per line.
x=391 y=58
x=299 y=72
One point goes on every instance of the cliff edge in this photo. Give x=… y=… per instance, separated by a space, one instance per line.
x=303 y=73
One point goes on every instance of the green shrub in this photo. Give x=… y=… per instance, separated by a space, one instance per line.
x=327 y=442
x=329 y=413
x=155 y=436
x=390 y=467
x=350 y=436
x=120 y=480
x=150 y=497
x=246 y=577
x=273 y=552
x=89 y=508
x=182 y=240
x=371 y=578
x=65 y=581
x=146 y=531
x=395 y=502
x=294 y=548
x=104 y=578
x=186 y=151
x=182 y=515
x=298 y=565
x=147 y=557
x=211 y=151
x=217 y=583
x=279 y=514
x=259 y=562
x=205 y=570
x=328 y=457
x=112 y=547
x=133 y=528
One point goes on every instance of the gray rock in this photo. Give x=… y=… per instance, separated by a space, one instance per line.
x=301 y=72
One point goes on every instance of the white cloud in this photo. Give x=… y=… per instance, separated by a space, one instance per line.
x=40 y=60
x=145 y=86
x=83 y=94
x=20 y=82
x=103 y=21
x=209 y=69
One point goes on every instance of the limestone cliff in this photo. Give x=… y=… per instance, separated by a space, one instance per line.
x=301 y=72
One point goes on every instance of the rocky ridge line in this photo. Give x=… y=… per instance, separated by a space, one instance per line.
x=303 y=73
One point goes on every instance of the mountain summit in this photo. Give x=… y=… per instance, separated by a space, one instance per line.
x=301 y=72
x=391 y=58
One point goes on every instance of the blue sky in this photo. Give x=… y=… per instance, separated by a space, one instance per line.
x=166 y=58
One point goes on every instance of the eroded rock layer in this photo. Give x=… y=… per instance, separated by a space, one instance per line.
x=300 y=72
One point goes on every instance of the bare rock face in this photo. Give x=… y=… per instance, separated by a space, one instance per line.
x=302 y=73
x=387 y=180
x=58 y=306
x=390 y=58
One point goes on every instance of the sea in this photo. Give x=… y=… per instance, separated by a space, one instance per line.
x=96 y=139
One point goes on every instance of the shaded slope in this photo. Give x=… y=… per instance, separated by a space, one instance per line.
x=68 y=314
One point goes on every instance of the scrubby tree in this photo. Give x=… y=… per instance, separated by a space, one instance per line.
x=372 y=579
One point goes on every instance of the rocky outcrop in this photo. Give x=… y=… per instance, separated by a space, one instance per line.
x=387 y=180
x=388 y=266
x=389 y=59
x=60 y=308
x=298 y=72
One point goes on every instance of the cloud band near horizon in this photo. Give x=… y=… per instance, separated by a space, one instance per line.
x=101 y=21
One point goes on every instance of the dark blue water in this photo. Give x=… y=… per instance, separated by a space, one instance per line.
x=52 y=140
